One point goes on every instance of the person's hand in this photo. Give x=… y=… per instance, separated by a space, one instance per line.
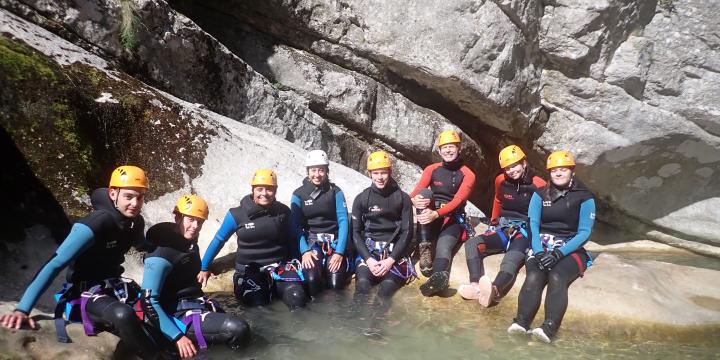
x=420 y=202
x=16 y=320
x=335 y=262
x=373 y=265
x=427 y=216
x=202 y=278
x=308 y=259
x=185 y=347
x=385 y=265
x=551 y=258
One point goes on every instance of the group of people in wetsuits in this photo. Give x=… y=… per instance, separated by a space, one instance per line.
x=294 y=253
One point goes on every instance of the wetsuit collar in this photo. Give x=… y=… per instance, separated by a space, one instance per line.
x=526 y=177
x=315 y=191
x=254 y=210
x=172 y=239
x=453 y=165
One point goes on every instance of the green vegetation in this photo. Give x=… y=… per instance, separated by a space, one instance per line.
x=128 y=26
x=667 y=5
x=18 y=63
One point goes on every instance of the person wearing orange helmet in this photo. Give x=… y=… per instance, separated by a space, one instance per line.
x=440 y=197
x=267 y=264
x=561 y=215
x=382 y=231
x=508 y=232
x=173 y=300
x=94 y=252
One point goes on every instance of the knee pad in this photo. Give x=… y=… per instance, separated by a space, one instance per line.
x=313 y=280
x=239 y=331
x=123 y=316
x=555 y=280
x=253 y=289
x=337 y=281
x=294 y=296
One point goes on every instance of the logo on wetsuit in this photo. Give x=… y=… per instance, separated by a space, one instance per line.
x=308 y=202
x=111 y=244
x=438 y=183
x=508 y=196
x=375 y=208
x=547 y=203
x=250 y=225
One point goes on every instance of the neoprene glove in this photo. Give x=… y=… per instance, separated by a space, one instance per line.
x=550 y=259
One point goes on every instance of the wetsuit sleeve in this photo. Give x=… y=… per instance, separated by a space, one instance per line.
x=81 y=237
x=296 y=221
x=155 y=271
x=538 y=182
x=497 y=204
x=223 y=234
x=463 y=193
x=358 y=228
x=405 y=229
x=585 y=225
x=342 y=220
x=424 y=180
x=534 y=213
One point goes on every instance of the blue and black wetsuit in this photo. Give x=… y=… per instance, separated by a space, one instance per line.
x=561 y=220
x=93 y=252
x=382 y=226
x=510 y=233
x=264 y=240
x=174 y=292
x=319 y=218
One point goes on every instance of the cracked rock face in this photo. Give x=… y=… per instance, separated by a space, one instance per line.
x=629 y=86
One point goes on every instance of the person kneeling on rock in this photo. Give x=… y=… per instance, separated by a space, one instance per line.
x=561 y=215
x=94 y=251
x=382 y=230
x=170 y=285
x=266 y=261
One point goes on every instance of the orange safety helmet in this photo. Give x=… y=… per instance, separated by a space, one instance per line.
x=510 y=155
x=560 y=158
x=128 y=176
x=379 y=160
x=265 y=177
x=192 y=205
x=448 y=137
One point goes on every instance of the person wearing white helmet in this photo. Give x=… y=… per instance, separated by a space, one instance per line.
x=319 y=219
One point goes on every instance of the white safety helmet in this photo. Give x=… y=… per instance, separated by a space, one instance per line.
x=315 y=158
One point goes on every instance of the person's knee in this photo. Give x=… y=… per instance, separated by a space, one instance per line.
x=337 y=280
x=123 y=316
x=294 y=296
x=363 y=285
x=471 y=248
x=556 y=280
x=239 y=331
x=511 y=261
x=313 y=280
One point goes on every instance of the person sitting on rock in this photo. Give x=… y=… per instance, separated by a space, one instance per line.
x=508 y=232
x=173 y=300
x=266 y=261
x=94 y=251
x=561 y=215
x=382 y=231
x=441 y=210
x=319 y=218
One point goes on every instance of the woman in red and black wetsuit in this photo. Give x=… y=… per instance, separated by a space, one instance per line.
x=508 y=232
x=441 y=211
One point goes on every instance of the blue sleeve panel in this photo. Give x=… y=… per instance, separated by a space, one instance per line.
x=226 y=230
x=585 y=225
x=343 y=222
x=81 y=237
x=534 y=213
x=156 y=270
x=296 y=221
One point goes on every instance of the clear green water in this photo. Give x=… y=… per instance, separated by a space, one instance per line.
x=333 y=327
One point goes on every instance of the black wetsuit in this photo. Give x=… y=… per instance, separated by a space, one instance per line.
x=264 y=238
x=320 y=211
x=171 y=277
x=94 y=251
x=561 y=221
x=509 y=217
x=381 y=216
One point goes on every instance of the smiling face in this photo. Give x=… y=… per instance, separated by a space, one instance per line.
x=449 y=152
x=561 y=176
x=263 y=195
x=188 y=226
x=317 y=174
x=128 y=201
x=380 y=177
x=516 y=170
